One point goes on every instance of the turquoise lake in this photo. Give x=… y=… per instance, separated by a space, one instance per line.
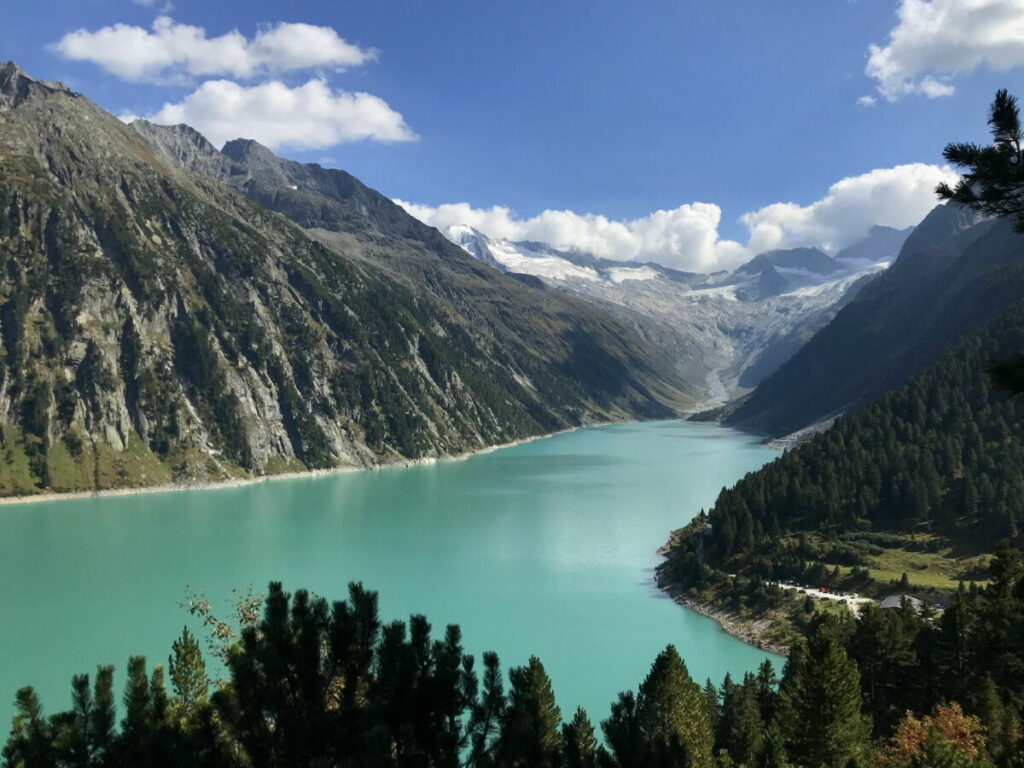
x=546 y=548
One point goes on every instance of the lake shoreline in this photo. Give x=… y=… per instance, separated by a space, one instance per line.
x=750 y=631
x=214 y=485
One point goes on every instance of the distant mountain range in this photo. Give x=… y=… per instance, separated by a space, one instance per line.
x=953 y=274
x=724 y=331
x=170 y=312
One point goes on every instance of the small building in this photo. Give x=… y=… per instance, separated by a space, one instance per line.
x=896 y=601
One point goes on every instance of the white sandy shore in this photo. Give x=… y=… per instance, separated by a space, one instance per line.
x=239 y=482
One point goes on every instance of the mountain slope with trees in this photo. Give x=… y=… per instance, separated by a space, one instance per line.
x=940 y=459
x=158 y=326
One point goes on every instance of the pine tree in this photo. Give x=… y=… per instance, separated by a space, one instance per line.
x=187 y=671
x=103 y=713
x=820 y=703
x=713 y=705
x=622 y=733
x=530 y=734
x=671 y=708
x=1000 y=719
x=743 y=729
x=995 y=174
x=30 y=742
x=773 y=753
x=579 y=743
x=136 y=726
x=767 y=693
x=72 y=741
x=486 y=711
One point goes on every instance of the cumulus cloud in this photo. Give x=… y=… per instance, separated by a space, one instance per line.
x=169 y=50
x=893 y=197
x=310 y=116
x=685 y=237
x=934 y=40
x=688 y=238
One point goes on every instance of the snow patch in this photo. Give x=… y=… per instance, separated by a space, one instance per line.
x=619 y=275
x=517 y=258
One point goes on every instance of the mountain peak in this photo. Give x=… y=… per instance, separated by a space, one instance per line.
x=182 y=131
x=247 y=151
x=16 y=86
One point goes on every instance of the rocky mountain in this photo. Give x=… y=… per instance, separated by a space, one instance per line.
x=157 y=325
x=724 y=331
x=954 y=273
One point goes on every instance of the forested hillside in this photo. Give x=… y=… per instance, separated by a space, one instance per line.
x=940 y=458
x=952 y=276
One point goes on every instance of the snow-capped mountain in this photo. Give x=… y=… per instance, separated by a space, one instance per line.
x=724 y=331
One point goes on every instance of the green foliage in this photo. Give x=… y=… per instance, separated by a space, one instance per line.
x=671 y=710
x=312 y=683
x=820 y=707
x=579 y=742
x=187 y=671
x=995 y=174
x=530 y=734
x=198 y=359
x=944 y=453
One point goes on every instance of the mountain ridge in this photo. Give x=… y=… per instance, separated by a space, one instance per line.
x=725 y=331
x=158 y=326
x=954 y=272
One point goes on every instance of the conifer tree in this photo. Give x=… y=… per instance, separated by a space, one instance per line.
x=773 y=753
x=530 y=734
x=742 y=728
x=994 y=181
x=622 y=733
x=30 y=742
x=103 y=714
x=187 y=670
x=579 y=743
x=767 y=693
x=820 y=703
x=671 y=708
x=486 y=711
x=713 y=705
x=72 y=742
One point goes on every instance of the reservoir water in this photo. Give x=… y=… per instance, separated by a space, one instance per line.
x=546 y=548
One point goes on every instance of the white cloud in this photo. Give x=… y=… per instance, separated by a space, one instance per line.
x=309 y=116
x=934 y=40
x=687 y=237
x=894 y=197
x=171 y=50
x=867 y=101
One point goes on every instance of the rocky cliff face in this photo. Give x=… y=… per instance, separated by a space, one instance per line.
x=159 y=326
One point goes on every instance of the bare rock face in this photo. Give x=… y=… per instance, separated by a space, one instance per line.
x=156 y=325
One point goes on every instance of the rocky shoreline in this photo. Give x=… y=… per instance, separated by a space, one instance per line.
x=750 y=631
x=211 y=485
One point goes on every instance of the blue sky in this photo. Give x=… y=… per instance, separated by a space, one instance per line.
x=605 y=108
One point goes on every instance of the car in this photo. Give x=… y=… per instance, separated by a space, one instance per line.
x=802 y=591
x=842 y=602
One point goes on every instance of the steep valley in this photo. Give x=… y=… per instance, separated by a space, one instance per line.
x=158 y=326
